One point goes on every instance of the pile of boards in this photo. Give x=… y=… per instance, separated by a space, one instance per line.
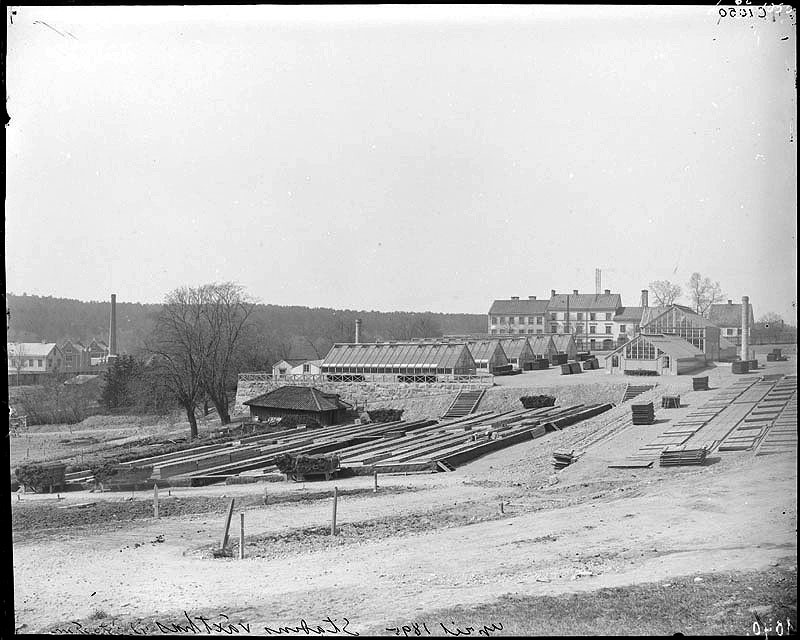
x=776 y=356
x=683 y=455
x=539 y=363
x=700 y=383
x=643 y=413
x=670 y=401
x=591 y=363
x=571 y=367
x=562 y=459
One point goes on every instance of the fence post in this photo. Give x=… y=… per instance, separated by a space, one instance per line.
x=224 y=542
x=155 y=500
x=241 y=537
x=375 y=490
x=333 y=515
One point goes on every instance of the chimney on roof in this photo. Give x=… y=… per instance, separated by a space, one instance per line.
x=644 y=297
x=531 y=297
x=552 y=293
x=515 y=297
x=730 y=301
x=358 y=329
x=575 y=292
x=607 y=292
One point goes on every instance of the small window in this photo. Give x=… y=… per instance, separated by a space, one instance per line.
x=553 y=316
x=608 y=328
x=39 y=363
x=622 y=328
x=553 y=328
x=538 y=319
x=592 y=316
x=495 y=320
x=608 y=316
x=580 y=315
x=592 y=328
x=306 y=368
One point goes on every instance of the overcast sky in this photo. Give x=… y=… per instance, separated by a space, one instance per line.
x=389 y=158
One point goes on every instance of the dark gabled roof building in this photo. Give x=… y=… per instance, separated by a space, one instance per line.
x=304 y=402
x=728 y=317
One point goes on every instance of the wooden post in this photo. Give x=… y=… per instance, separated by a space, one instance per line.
x=265 y=495
x=241 y=537
x=224 y=542
x=155 y=500
x=501 y=506
x=333 y=515
x=375 y=490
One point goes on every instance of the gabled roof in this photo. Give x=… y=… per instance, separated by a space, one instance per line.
x=674 y=346
x=32 y=349
x=514 y=347
x=380 y=354
x=484 y=349
x=297 y=398
x=629 y=314
x=541 y=344
x=562 y=341
x=584 y=301
x=518 y=307
x=652 y=313
x=292 y=362
x=728 y=315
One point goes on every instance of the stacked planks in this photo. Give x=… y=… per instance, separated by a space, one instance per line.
x=562 y=459
x=762 y=405
x=643 y=413
x=632 y=390
x=700 y=383
x=684 y=455
x=671 y=401
x=782 y=436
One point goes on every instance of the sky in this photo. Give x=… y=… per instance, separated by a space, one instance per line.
x=401 y=158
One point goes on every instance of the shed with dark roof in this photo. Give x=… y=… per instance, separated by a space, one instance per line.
x=304 y=402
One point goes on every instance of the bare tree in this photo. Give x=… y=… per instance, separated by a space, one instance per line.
x=18 y=355
x=664 y=292
x=703 y=293
x=225 y=310
x=771 y=317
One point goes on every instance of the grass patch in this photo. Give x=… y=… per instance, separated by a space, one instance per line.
x=718 y=604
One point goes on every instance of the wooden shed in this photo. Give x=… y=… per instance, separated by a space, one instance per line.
x=518 y=351
x=488 y=355
x=304 y=402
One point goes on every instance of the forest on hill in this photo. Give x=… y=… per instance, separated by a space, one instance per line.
x=277 y=331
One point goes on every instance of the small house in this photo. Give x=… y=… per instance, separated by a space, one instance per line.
x=296 y=366
x=304 y=402
x=664 y=354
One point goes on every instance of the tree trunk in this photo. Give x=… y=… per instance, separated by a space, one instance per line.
x=192 y=422
x=221 y=403
x=205 y=406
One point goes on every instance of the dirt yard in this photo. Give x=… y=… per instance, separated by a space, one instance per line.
x=421 y=544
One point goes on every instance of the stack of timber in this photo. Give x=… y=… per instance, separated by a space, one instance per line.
x=631 y=391
x=559 y=358
x=769 y=399
x=466 y=402
x=700 y=383
x=566 y=369
x=740 y=366
x=643 y=413
x=540 y=363
x=591 y=363
x=575 y=367
x=299 y=467
x=775 y=356
x=683 y=455
x=671 y=401
x=562 y=459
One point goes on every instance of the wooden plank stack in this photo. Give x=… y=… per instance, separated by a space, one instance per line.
x=562 y=459
x=700 y=383
x=675 y=456
x=670 y=401
x=643 y=413
x=575 y=367
x=740 y=366
x=566 y=369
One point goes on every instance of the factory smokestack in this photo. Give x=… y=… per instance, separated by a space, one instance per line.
x=644 y=297
x=112 y=330
x=745 y=327
x=358 y=329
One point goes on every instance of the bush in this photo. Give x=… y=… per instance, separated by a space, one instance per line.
x=537 y=402
x=103 y=472
x=385 y=415
x=287 y=422
x=39 y=477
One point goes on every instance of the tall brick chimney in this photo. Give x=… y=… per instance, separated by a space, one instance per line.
x=644 y=297
x=358 y=330
x=745 y=328
x=112 y=329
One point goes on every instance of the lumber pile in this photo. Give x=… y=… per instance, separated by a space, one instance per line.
x=558 y=358
x=643 y=413
x=540 y=363
x=675 y=456
x=700 y=383
x=670 y=401
x=562 y=459
x=740 y=366
x=591 y=363
x=776 y=356
x=537 y=402
x=306 y=465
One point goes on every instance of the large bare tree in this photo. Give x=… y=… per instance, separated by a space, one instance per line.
x=664 y=292
x=198 y=339
x=703 y=293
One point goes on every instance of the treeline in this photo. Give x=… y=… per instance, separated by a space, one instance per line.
x=278 y=331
